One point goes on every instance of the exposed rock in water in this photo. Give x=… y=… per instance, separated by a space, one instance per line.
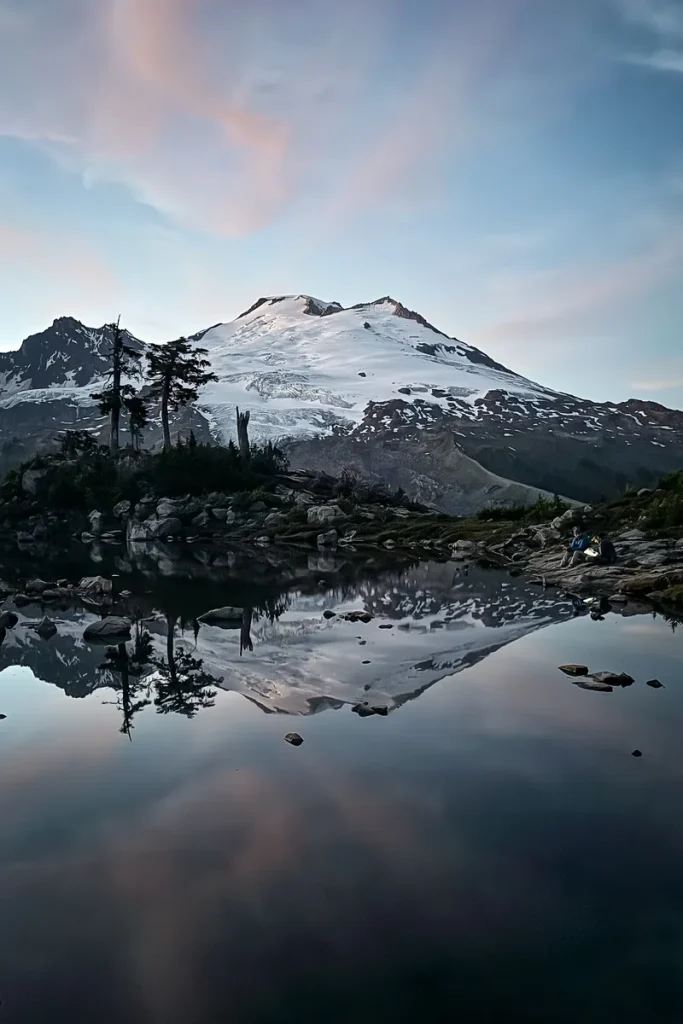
x=294 y=739
x=226 y=618
x=91 y=585
x=655 y=684
x=327 y=540
x=574 y=670
x=8 y=620
x=327 y=614
x=105 y=630
x=36 y=586
x=2 y=718
x=359 y=617
x=636 y=753
x=613 y=678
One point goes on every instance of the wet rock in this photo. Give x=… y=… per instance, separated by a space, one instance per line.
x=263 y=541
x=359 y=617
x=294 y=739
x=386 y=625
x=636 y=753
x=320 y=515
x=21 y=600
x=613 y=678
x=328 y=540
x=593 y=684
x=574 y=670
x=45 y=628
x=327 y=614
x=227 y=617
x=201 y=520
x=107 y=630
x=122 y=510
x=8 y=620
x=95 y=585
x=380 y=709
x=655 y=684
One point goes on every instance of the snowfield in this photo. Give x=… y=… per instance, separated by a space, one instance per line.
x=302 y=374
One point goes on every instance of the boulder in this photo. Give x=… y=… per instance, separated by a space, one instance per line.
x=95 y=585
x=122 y=510
x=95 y=520
x=258 y=506
x=144 y=508
x=46 y=628
x=275 y=520
x=328 y=540
x=654 y=684
x=223 y=515
x=573 y=670
x=568 y=519
x=363 y=710
x=545 y=536
x=263 y=541
x=328 y=614
x=168 y=507
x=8 y=620
x=613 y=678
x=294 y=739
x=161 y=529
x=389 y=543
x=104 y=631
x=36 y=586
x=24 y=538
x=226 y=618
x=32 y=480
x=21 y=600
x=464 y=547
x=201 y=521
x=87 y=537
x=644 y=491
x=320 y=515
x=359 y=616
x=40 y=532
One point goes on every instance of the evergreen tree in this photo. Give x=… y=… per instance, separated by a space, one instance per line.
x=125 y=361
x=137 y=419
x=177 y=371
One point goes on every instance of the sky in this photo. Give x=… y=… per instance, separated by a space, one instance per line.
x=512 y=169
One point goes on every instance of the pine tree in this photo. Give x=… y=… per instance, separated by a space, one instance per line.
x=177 y=371
x=125 y=361
x=137 y=419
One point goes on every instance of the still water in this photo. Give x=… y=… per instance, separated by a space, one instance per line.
x=488 y=851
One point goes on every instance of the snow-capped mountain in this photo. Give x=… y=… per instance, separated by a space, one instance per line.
x=375 y=388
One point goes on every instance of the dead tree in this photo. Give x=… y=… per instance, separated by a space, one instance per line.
x=243 y=432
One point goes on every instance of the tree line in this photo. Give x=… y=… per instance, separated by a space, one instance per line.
x=175 y=373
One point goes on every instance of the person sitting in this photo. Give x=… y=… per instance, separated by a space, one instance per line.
x=576 y=550
x=607 y=554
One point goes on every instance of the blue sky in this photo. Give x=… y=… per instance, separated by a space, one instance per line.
x=513 y=169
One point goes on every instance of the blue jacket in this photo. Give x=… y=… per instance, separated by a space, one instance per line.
x=580 y=543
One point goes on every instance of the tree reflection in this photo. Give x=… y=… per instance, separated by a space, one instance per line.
x=183 y=687
x=129 y=666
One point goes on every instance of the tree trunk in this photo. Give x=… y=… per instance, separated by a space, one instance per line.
x=164 y=418
x=116 y=391
x=243 y=432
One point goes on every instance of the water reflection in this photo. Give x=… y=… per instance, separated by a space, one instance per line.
x=291 y=643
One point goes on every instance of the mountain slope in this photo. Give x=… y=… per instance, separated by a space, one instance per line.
x=374 y=388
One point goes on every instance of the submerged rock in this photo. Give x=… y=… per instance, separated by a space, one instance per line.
x=613 y=678
x=574 y=670
x=105 y=630
x=226 y=618
x=595 y=685
x=294 y=739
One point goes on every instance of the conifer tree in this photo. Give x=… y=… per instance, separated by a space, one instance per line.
x=125 y=362
x=177 y=371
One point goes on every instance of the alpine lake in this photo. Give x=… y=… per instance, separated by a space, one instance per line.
x=465 y=832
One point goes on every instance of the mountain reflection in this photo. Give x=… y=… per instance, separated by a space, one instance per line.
x=276 y=647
